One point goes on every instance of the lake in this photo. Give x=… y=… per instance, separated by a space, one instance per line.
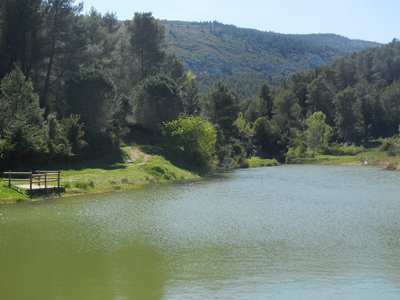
x=288 y=232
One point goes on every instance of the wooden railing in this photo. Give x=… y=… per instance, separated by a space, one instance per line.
x=38 y=180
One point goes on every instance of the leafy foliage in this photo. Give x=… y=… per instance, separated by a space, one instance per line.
x=197 y=137
x=221 y=106
x=21 y=125
x=266 y=136
x=155 y=100
x=89 y=94
x=317 y=131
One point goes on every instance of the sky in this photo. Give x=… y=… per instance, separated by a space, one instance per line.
x=371 y=20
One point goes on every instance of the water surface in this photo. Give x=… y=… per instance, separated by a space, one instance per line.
x=290 y=232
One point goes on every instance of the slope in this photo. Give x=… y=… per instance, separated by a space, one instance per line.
x=245 y=58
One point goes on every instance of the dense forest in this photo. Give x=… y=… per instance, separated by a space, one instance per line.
x=245 y=58
x=74 y=86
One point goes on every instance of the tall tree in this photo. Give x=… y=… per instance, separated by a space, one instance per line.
x=101 y=37
x=62 y=43
x=21 y=119
x=20 y=24
x=267 y=99
x=348 y=124
x=288 y=111
x=319 y=97
x=147 y=43
x=190 y=94
x=221 y=106
x=89 y=94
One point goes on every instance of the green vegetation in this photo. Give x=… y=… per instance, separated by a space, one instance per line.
x=74 y=88
x=317 y=132
x=197 y=138
x=257 y=162
x=10 y=195
x=137 y=169
x=246 y=58
x=376 y=155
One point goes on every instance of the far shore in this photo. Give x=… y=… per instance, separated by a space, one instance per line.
x=141 y=170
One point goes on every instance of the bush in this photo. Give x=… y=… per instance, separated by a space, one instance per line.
x=344 y=149
x=84 y=184
x=257 y=162
x=391 y=146
x=196 y=136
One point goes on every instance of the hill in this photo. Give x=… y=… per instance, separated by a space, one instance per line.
x=359 y=94
x=245 y=58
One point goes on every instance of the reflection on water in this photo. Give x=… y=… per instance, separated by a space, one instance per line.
x=293 y=232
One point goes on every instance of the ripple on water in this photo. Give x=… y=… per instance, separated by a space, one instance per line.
x=292 y=232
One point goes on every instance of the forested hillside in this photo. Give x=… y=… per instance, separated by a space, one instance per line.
x=352 y=101
x=245 y=58
x=359 y=94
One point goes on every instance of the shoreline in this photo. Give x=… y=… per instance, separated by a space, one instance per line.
x=147 y=170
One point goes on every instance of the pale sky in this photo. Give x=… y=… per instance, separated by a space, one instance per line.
x=372 y=20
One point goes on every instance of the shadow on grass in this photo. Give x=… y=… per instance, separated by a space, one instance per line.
x=175 y=156
x=111 y=161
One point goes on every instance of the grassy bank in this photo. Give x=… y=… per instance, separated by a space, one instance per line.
x=258 y=162
x=135 y=170
x=143 y=165
x=374 y=158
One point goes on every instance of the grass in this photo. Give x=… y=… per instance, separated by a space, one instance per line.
x=144 y=165
x=10 y=195
x=372 y=156
x=257 y=162
x=136 y=170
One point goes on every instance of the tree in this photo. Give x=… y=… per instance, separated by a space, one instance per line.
x=265 y=96
x=18 y=99
x=20 y=24
x=21 y=119
x=57 y=142
x=73 y=131
x=121 y=109
x=190 y=94
x=101 y=38
x=172 y=67
x=62 y=43
x=155 y=100
x=266 y=136
x=245 y=133
x=288 y=111
x=319 y=98
x=254 y=109
x=197 y=137
x=221 y=107
x=390 y=101
x=348 y=124
x=317 y=131
x=89 y=94
x=147 y=42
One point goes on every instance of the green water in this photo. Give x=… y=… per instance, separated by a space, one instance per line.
x=290 y=232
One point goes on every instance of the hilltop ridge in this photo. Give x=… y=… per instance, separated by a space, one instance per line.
x=215 y=51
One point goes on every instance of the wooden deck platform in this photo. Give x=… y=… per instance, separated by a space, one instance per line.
x=37 y=182
x=40 y=188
